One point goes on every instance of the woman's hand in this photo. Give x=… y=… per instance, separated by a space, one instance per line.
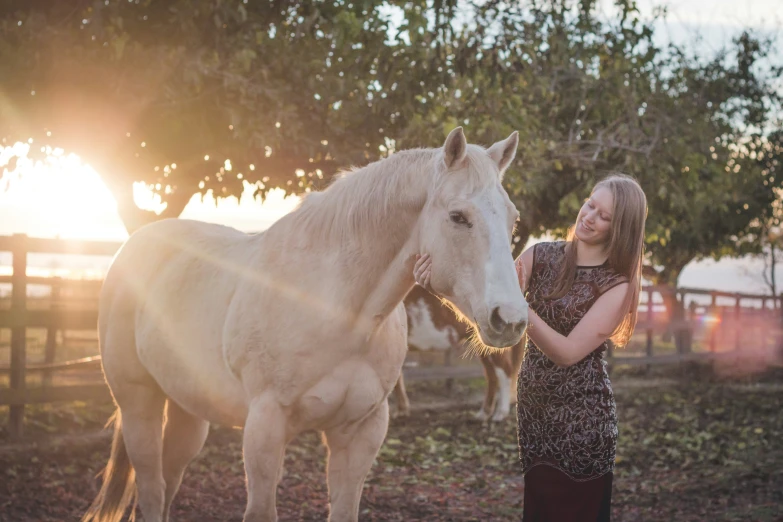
x=422 y=271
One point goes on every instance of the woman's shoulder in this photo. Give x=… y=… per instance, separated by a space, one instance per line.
x=549 y=246
x=544 y=258
x=606 y=278
x=549 y=250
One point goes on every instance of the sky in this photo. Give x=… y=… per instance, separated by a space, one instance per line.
x=68 y=199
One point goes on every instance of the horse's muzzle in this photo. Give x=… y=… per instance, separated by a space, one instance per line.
x=501 y=332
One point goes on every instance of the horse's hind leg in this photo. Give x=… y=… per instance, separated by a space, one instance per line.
x=141 y=403
x=351 y=454
x=183 y=437
x=141 y=407
x=491 y=377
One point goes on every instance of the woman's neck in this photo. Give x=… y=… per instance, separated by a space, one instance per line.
x=590 y=255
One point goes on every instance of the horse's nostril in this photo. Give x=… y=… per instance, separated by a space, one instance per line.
x=495 y=321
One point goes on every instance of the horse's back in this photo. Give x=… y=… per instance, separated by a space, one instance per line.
x=163 y=308
x=164 y=258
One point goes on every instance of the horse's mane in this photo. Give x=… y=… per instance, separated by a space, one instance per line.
x=360 y=199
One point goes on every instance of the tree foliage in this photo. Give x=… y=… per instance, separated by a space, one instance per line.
x=196 y=95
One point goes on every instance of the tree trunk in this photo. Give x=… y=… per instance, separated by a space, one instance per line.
x=134 y=217
x=668 y=278
x=676 y=308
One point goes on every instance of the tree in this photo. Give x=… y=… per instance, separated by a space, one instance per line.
x=717 y=190
x=559 y=75
x=600 y=97
x=592 y=97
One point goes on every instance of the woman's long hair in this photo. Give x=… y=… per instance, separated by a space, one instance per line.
x=625 y=250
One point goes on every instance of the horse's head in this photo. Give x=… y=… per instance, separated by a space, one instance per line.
x=466 y=228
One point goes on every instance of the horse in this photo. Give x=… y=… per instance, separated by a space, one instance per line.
x=433 y=326
x=298 y=328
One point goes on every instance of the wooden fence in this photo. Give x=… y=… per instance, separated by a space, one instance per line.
x=62 y=315
x=722 y=325
x=18 y=318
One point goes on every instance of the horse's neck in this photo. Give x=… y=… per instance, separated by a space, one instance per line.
x=378 y=217
x=383 y=267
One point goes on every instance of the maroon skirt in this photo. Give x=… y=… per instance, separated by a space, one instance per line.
x=552 y=496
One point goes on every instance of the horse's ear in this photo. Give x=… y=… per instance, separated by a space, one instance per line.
x=455 y=148
x=503 y=152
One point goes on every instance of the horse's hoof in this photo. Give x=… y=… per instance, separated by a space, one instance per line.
x=499 y=416
x=401 y=414
x=481 y=415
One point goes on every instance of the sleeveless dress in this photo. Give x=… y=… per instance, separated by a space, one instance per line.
x=566 y=417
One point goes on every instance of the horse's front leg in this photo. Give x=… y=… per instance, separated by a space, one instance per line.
x=264 y=449
x=352 y=450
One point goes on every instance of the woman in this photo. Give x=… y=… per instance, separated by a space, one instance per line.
x=582 y=292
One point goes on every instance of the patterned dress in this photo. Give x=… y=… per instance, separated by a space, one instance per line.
x=566 y=417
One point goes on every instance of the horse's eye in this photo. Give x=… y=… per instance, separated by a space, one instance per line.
x=460 y=219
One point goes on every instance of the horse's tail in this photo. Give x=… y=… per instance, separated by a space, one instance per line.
x=119 y=486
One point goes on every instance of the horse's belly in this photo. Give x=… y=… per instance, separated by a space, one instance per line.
x=199 y=381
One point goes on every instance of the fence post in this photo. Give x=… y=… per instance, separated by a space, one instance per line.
x=448 y=363
x=779 y=329
x=685 y=331
x=737 y=323
x=649 y=330
x=769 y=334
x=714 y=328
x=51 y=331
x=692 y=319
x=18 y=330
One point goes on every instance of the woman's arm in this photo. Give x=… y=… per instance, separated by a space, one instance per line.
x=591 y=331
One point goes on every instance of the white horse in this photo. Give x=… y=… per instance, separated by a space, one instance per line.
x=298 y=328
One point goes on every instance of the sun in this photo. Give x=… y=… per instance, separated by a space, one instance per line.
x=58 y=197
x=63 y=197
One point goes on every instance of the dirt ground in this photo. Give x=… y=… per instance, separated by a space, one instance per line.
x=692 y=448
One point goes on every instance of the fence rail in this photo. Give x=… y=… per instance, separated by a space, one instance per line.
x=62 y=315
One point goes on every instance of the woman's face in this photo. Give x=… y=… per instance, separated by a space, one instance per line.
x=594 y=222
